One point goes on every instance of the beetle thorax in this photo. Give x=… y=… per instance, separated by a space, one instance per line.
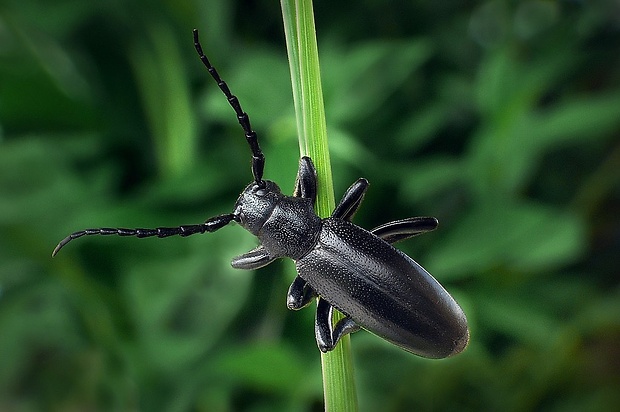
x=286 y=226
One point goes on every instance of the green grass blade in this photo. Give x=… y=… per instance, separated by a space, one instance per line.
x=166 y=98
x=338 y=382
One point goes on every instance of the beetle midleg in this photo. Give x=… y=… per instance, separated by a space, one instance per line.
x=326 y=337
x=398 y=230
x=305 y=183
x=300 y=294
x=351 y=200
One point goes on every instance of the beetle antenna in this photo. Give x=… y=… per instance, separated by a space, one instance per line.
x=210 y=225
x=258 y=159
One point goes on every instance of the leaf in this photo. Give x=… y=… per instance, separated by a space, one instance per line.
x=580 y=119
x=181 y=306
x=428 y=177
x=517 y=236
x=364 y=78
x=275 y=368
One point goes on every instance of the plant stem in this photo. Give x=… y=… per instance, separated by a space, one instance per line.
x=300 y=33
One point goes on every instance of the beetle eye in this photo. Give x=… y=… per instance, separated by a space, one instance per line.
x=260 y=190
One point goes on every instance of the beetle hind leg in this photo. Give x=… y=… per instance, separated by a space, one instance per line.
x=399 y=230
x=326 y=337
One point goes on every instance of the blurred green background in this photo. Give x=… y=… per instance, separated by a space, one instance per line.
x=500 y=118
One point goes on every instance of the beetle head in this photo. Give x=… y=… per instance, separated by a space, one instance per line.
x=255 y=205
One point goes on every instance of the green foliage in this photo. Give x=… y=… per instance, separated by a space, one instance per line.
x=499 y=118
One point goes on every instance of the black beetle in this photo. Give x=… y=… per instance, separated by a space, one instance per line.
x=358 y=272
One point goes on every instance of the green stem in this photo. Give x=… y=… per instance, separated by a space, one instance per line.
x=300 y=33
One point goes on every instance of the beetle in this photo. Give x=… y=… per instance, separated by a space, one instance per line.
x=356 y=271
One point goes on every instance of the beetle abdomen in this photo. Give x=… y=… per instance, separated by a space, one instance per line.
x=384 y=291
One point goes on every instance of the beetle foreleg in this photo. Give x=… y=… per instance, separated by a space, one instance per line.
x=351 y=200
x=326 y=337
x=254 y=259
x=300 y=294
x=398 y=230
x=305 y=183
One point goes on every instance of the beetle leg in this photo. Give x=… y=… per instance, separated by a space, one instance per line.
x=254 y=259
x=305 y=183
x=323 y=326
x=300 y=294
x=398 y=230
x=343 y=327
x=326 y=338
x=351 y=200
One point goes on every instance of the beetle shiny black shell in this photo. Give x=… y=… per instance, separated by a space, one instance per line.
x=340 y=265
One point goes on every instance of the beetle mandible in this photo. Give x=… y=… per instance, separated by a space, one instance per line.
x=376 y=286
